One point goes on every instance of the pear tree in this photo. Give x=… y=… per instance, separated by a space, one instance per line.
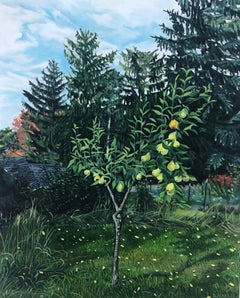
x=155 y=150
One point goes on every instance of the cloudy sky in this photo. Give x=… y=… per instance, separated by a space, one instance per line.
x=34 y=32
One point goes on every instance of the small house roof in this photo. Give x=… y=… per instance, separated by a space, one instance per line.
x=35 y=175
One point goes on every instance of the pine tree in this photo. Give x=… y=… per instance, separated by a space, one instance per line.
x=46 y=108
x=205 y=37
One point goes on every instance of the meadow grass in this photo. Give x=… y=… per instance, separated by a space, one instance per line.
x=182 y=255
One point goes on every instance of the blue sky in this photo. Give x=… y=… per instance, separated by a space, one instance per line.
x=34 y=32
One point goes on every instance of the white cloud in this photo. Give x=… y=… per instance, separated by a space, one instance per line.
x=51 y=31
x=132 y=13
x=13 y=37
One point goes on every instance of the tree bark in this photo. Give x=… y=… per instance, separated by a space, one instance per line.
x=117 y=218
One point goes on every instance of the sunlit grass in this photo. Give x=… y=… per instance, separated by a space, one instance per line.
x=155 y=260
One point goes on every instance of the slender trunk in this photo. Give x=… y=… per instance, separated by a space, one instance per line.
x=117 y=218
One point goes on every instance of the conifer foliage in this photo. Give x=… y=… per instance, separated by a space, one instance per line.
x=88 y=82
x=204 y=36
x=46 y=107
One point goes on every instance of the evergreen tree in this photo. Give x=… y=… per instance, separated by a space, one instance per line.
x=89 y=81
x=142 y=83
x=205 y=37
x=43 y=121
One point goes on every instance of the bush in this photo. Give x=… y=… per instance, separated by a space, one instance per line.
x=67 y=193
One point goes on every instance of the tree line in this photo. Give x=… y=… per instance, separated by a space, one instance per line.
x=203 y=36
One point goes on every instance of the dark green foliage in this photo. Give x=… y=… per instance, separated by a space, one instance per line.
x=90 y=81
x=142 y=83
x=68 y=193
x=15 y=195
x=45 y=114
x=7 y=139
x=205 y=37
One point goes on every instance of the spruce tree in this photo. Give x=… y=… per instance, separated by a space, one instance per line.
x=142 y=82
x=46 y=109
x=204 y=36
x=88 y=84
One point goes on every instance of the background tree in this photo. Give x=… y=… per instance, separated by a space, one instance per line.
x=205 y=37
x=8 y=140
x=141 y=84
x=45 y=108
x=88 y=82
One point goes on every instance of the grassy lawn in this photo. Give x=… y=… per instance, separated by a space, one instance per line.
x=172 y=257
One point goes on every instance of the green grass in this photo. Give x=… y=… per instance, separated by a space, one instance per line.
x=171 y=257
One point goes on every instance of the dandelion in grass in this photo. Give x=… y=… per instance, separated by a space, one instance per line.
x=232 y=249
x=137 y=237
x=150 y=234
x=190 y=285
x=62 y=239
x=59 y=229
x=154 y=260
x=231 y=284
x=122 y=245
x=198 y=236
x=41 y=272
x=217 y=275
x=82 y=262
x=218 y=254
x=165 y=249
x=208 y=276
x=94 y=281
x=43 y=233
x=103 y=267
x=213 y=265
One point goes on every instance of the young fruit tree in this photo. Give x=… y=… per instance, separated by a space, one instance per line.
x=155 y=150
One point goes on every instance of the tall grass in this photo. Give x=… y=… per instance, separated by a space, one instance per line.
x=26 y=260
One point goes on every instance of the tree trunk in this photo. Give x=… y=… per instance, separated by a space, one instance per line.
x=117 y=218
